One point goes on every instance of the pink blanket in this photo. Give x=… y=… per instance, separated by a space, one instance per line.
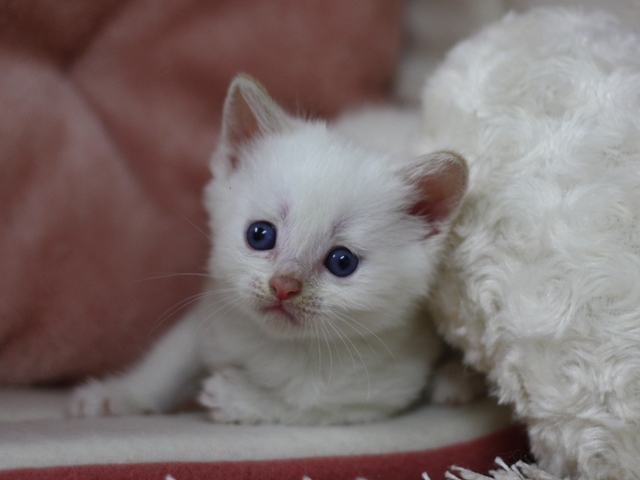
x=108 y=112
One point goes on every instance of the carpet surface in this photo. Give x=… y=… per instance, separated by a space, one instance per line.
x=38 y=441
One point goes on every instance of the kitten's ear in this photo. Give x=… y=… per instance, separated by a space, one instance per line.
x=249 y=111
x=440 y=181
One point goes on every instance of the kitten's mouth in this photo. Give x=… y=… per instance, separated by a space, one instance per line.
x=283 y=312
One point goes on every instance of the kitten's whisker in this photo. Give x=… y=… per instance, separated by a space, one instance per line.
x=326 y=339
x=352 y=322
x=317 y=339
x=209 y=321
x=161 y=276
x=342 y=337
x=356 y=329
x=182 y=304
x=207 y=236
x=201 y=267
x=222 y=309
x=185 y=303
x=333 y=339
x=222 y=290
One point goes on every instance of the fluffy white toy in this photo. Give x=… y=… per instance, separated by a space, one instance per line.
x=541 y=283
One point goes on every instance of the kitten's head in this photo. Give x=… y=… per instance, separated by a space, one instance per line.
x=314 y=235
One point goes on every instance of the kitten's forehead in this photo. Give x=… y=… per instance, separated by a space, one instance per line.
x=313 y=170
x=319 y=187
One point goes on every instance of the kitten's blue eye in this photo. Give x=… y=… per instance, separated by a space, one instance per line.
x=261 y=236
x=341 y=262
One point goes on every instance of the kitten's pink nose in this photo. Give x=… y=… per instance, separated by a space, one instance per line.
x=284 y=287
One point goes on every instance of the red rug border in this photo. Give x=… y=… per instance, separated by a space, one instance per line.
x=478 y=454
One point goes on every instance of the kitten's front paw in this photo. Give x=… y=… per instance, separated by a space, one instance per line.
x=228 y=400
x=455 y=384
x=96 y=399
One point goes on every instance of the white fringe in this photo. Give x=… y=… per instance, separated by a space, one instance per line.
x=517 y=471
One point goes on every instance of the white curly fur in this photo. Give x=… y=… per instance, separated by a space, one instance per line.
x=541 y=285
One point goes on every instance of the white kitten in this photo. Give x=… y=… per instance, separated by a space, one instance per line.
x=541 y=283
x=322 y=254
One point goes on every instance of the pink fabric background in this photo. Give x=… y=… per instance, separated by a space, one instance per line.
x=108 y=113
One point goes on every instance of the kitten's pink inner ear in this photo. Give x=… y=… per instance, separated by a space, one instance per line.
x=242 y=123
x=248 y=112
x=441 y=182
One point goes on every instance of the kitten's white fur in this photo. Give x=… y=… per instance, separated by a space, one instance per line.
x=347 y=349
x=541 y=283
